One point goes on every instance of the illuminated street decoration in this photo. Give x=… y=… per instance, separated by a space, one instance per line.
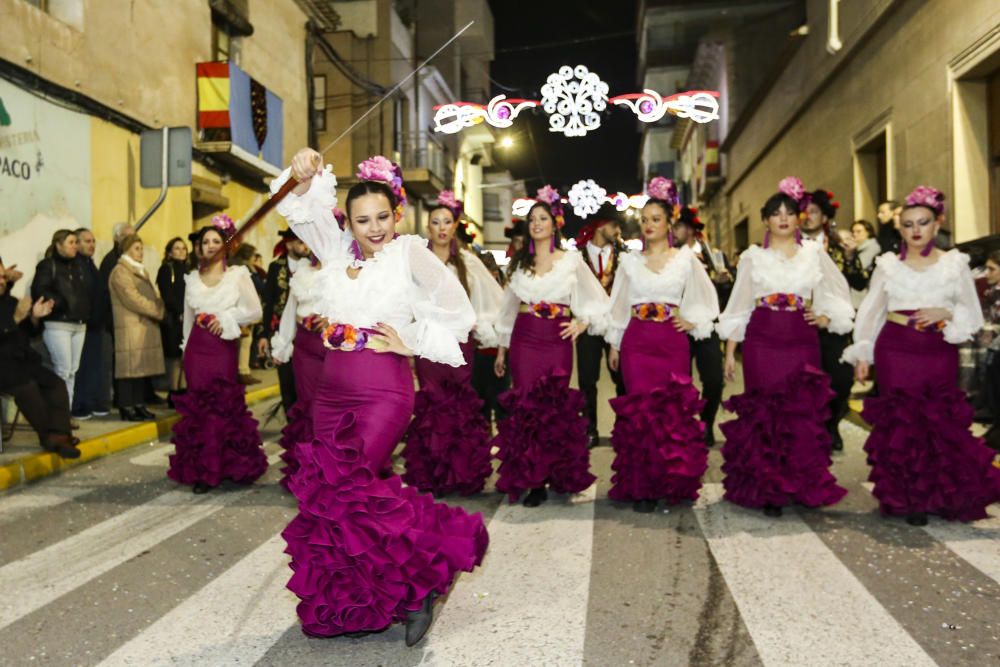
x=621 y=201
x=574 y=99
x=586 y=197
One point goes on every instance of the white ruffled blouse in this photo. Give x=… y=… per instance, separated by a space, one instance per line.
x=809 y=273
x=404 y=285
x=569 y=282
x=233 y=301
x=300 y=305
x=895 y=286
x=682 y=281
x=485 y=294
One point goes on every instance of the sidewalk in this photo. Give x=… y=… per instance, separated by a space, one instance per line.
x=24 y=461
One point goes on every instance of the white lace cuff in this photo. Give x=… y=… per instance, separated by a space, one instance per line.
x=702 y=319
x=859 y=351
x=432 y=342
x=281 y=348
x=230 y=327
x=732 y=327
x=960 y=328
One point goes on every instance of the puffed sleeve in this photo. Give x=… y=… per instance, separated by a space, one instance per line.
x=247 y=309
x=700 y=303
x=620 y=310
x=967 y=316
x=734 y=319
x=188 y=321
x=588 y=300
x=506 y=315
x=832 y=297
x=443 y=315
x=486 y=295
x=869 y=320
x=282 y=343
x=310 y=215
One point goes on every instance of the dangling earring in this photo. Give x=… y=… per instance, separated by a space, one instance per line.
x=453 y=248
x=798 y=236
x=531 y=247
x=644 y=243
x=670 y=237
x=356 y=251
x=902 y=250
x=552 y=243
x=927 y=250
x=767 y=239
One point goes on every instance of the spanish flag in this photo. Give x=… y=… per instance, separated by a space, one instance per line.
x=213 y=95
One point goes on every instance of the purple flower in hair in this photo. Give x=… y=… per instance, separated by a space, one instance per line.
x=382 y=169
x=548 y=194
x=448 y=200
x=792 y=186
x=663 y=189
x=925 y=195
x=224 y=224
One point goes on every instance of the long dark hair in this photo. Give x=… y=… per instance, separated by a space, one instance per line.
x=57 y=239
x=773 y=205
x=524 y=258
x=202 y=264
x=170 y=248
x=455 y=256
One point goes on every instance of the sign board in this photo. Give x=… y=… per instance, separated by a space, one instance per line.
x=178 y=157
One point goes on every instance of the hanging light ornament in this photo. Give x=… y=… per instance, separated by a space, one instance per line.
x=586 y=197
x=574 y=98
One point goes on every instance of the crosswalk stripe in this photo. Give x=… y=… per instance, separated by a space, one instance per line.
x=533 y=586
x=800 y=603
x=159 y=457
x=233 y=620
x=14 y=505
x=36 y=580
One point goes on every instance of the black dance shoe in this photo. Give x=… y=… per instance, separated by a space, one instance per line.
x=772 y=511
x=709 y=435
x=200 y=488
x=144 y=413
x=917 y=519
x=838 y=443
x=130 y=415
x=644 y=506
x=535 y=497
x=419 y=622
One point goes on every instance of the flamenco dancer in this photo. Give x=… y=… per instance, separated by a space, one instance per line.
x=921 y=306
x=216 y=437
x=602 y=249
x=448 y=443
x=550 y=299
x=298 y=339
x=661 y=296
x=777 y=449
x=367 y=551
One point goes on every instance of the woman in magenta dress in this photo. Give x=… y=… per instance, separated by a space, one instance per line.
x=366 y=550
x=448 y=442
x=777 y=450
x=216 y=437
x=661 y=295
x=921 y=305
x=550 y=299
x=298 y=340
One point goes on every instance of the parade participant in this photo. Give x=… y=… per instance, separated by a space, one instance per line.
x=661 y=297
x=922 y=304
x=367 y=551
x=448 y=441
x=601 y=248
x=707 y=352
x=216 y=437
x=820 y=210
x=777 y=450
x=550 y=299
x=298 y=340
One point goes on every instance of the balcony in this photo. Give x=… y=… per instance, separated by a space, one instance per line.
x=426 y=169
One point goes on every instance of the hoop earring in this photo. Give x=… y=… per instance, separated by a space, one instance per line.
x=767 y=239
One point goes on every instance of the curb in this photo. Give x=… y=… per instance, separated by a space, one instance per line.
x=33 y=467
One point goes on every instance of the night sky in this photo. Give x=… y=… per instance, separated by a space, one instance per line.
x=609 y=154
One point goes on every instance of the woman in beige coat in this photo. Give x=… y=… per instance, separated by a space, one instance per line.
x=137 y=310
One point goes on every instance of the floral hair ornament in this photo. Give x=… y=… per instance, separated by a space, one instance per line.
x=551 y=196
x=928 y=197
x=383 y=170
x=663 y=189
x=225 y=225
x=449 y=201
x=792 y=187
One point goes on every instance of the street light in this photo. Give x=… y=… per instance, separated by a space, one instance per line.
x=506 y=142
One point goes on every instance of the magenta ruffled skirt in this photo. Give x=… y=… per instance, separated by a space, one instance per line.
x=448 y=442
x=777 y=449
x=307 y=363
x=216 y=437
x=924 y=458
x=658 y=438
x=365 y=549
x=543 y=440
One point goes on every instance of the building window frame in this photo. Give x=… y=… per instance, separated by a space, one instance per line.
x=874 y=166
x=319 y=102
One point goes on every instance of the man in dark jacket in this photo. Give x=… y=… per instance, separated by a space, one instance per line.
x=90 y=397
x=39 y=393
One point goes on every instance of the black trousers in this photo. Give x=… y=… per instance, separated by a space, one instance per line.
x=488 y=386
x=707 y=355
x=589 y=352
x=44 y=402
x=131 y=391
x=286 y=383
x=841 y=376
x=87 y=388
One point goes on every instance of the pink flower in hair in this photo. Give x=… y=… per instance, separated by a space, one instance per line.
x=224 y=224
x=925 y=195
x=548 y=194
x=448 y=200
x=382 y=169
x=792 y=186
x=663 y=189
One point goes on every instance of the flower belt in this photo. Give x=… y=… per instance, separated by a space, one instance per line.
x=204 y=320
x=349 y=338
x=653 y=312
x=546 y=311
x=910 y=320
x=784 y=302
